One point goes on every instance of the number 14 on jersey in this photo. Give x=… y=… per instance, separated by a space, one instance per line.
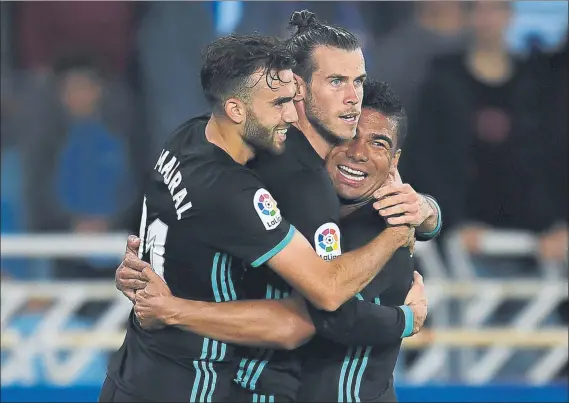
x=153 y=240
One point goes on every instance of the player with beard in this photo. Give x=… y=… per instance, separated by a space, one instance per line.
x=329 y=78
x=354 y=353
x=206 y=216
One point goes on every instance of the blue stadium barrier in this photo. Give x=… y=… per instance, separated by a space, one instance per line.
x=431 y=393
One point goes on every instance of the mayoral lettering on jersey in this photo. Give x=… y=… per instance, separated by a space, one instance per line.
x=327 y=241
x=173 y=178
x=266 y=208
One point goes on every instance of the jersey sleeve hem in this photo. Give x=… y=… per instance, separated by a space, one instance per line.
x=427 y=236
x=408 y=312
x=278 y=247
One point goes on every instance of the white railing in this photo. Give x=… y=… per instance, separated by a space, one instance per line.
x=62 y=245
x=480 y=368
x=445 y=286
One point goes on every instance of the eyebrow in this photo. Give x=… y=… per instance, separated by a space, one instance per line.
x=345 y=78
x=377 y=136
x=282 y=100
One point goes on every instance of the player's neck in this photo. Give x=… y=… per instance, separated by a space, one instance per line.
x=348 y=206
x=320 y=144
x=225 y=136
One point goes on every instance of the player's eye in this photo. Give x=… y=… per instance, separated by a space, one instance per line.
x=336 y=82
x=359 y=82
x=283 y=101
x=381 y=144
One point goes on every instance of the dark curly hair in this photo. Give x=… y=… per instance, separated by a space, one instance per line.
x=229 y=62
x=379 y=96
x=311 y=33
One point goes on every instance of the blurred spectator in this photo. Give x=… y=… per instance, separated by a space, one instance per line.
x=47 y=29
x=554 y=104
x=402 y=56
x=381 y=17
x=170 y=39
x=12 y=207
x=475 y=139
x=478 y=145
x=75 y=154
x=554 y=70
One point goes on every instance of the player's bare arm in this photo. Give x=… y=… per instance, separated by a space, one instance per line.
x=328 y=284
x=281 y=324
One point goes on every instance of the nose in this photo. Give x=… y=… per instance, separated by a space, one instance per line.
x=351 y=97
x=357 y=151
x=289 y=113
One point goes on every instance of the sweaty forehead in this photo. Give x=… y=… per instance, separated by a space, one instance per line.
x=331 y=61
x=373 y=122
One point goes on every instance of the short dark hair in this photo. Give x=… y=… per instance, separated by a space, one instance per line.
x=379 y=96
x=311 y=33
x=229 y=61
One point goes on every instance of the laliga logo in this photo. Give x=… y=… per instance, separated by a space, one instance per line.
x=266 y=208
x=267 y=205
x=327 y=240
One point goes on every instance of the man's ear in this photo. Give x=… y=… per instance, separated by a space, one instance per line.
x=395 y=160
x=235 y=110
x=300 y=88
x=394 y=164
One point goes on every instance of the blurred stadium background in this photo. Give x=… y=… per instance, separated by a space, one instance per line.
x=89 y=90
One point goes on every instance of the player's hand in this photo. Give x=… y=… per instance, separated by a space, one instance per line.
x=128 y=276
x=417 y=301
x=151 y=302
x=400 y=204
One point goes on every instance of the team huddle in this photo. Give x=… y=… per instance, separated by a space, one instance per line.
x=275 y=255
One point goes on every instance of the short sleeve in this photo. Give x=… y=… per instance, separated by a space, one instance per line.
x=243 y=219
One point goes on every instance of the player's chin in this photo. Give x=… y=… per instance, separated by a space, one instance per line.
x=277 y=148
x=349 y=192
x=355 y=192
x=344 y=132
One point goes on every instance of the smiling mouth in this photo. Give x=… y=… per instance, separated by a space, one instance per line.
x=352 y=174
x=350 y=118
x=281 y=133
